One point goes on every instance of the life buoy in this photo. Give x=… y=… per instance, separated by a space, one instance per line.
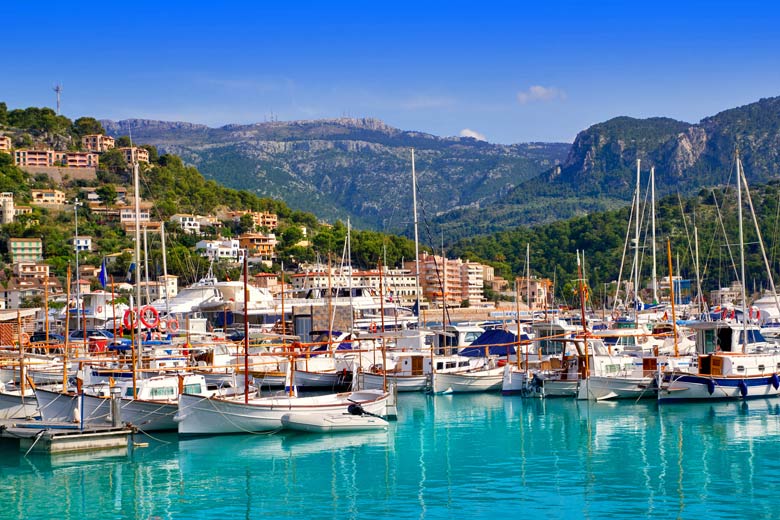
x=99 y=309
x=130 y=319
x=150 y=317
x=173 y=325
x=372 y=327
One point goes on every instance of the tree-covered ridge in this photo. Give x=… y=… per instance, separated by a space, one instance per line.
x=601 y=236
x=172 y=187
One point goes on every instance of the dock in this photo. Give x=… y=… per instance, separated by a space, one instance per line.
x=53 y=437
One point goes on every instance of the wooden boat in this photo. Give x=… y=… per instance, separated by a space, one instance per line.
x=482 y=380
x=16 y=403
x=332 y=423
x=200 y=415
x=725 y=370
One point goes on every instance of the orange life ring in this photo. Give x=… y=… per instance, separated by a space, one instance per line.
x=99 y=309
x=173 y=325
x=372 y=327
x=130 y=319
x=147 y=313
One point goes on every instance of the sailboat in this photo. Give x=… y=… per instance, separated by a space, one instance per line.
x=734 y=360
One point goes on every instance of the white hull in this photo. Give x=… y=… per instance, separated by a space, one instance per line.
x=690 y=387
x=477 y=381
x=402 y=383
x=514 y=381
x=146 y=415
x=332 y=423
x=15 y=406
x=600 y=388
x=56 y=406
x=304 y=379
x=559 y=387
x=269 y=380
x=203 y=416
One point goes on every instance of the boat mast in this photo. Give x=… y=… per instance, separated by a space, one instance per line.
x=741 y=254
x=671 y=294
x=349 y=283
x=146 y=267
x=636 y=246
x=652 y=216
x=165 y=269
x=528 y=281
x=137 y=253
x=246 y=327
x=416 y=239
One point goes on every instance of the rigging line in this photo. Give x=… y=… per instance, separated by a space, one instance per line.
x=435 y=263
x=623 y=260
x=723 y=226
x=685 y=224
x=776 y=230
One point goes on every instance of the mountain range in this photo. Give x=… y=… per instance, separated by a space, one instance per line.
x=357 y=168
x=361 y=168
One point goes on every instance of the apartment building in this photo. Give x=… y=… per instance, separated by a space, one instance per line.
x=258 y=244
x=97 y=143
x=25 y=249
x=76 y=159
x=5 y=144
x=133 y=153
x=48 y=197
x=34 y=157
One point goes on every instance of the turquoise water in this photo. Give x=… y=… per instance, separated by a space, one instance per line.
x=479 y=456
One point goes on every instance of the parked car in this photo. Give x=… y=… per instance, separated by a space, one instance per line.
x=78 y=335
x=40 y=337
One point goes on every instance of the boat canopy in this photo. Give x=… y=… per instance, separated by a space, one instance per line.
x=499 y=343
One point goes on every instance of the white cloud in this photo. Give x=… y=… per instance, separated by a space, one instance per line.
x=467 y=132
x=540 y=93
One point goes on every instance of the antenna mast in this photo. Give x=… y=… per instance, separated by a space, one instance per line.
x=58 y=90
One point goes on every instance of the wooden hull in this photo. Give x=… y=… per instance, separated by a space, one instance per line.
x=402 y=383
x=514 y=381
x=146 y=415
x=56 y=406
x=692 y=387
x=477 y=381
x=600 y=388
x=15 y=406
x=204 y=416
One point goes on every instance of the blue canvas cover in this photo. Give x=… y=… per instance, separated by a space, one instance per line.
x=499 y=341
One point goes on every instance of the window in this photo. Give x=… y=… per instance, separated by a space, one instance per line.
x=162 y=392
x=193 y=389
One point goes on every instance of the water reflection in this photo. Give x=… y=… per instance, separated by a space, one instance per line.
x=483 y=454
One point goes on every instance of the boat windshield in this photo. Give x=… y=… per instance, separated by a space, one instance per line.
x=753 y=336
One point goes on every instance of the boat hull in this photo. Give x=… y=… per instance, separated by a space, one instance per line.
x=204 y=416
x=57 y=406
x=402 y=383
x=600 y=388
x=514 y=381
x=15 y=406
x=692 y=387
x=477 y=381
x=146 y=415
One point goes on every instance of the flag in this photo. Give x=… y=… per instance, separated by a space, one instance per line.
x=130 y=272
x=103 y=277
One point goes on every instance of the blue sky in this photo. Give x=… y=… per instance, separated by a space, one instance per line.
x=506 y=71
